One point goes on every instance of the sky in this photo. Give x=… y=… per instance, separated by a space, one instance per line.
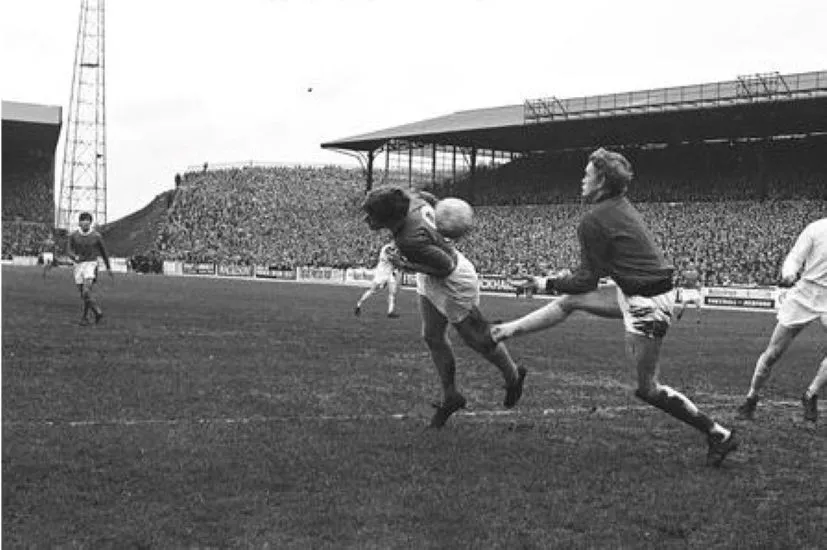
x=225 y=81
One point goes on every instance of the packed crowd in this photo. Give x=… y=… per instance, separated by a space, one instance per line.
x=780 y=170
x=291 y=217
x=28 y=193
x=279 y=216
x=24 y=238
x=734 y=231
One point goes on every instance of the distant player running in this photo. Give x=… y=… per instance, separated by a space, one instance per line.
x=448 y=289
x=85 y=245
x=803 y=304
x=689 y=291
x=384 y=275
x=47 y=254
x=616 y=243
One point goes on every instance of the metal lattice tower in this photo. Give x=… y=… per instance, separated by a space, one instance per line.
x=83 y=181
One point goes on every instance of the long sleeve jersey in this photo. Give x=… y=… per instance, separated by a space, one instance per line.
x=87 y=247
x=616 y=243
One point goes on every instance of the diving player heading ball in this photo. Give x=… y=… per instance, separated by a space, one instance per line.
x=448 y=291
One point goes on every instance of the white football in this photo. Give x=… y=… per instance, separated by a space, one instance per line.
x=454 y=217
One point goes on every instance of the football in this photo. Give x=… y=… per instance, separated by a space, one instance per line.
x=454 y=217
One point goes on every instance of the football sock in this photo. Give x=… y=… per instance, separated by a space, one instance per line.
x=503 y=361
x=443 y=358
x=679 y=406
x=763 y=368
x=717 y=429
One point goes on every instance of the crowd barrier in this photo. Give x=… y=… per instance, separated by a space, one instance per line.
x=738 y=298
x=118 y=265
x=726 y=297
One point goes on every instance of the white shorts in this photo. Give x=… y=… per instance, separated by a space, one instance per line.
x=48 y=257
x=689 y=296
x=381 y=278
x=454 y=296
x=803 y=304
x=84 y=271
x=647 y=316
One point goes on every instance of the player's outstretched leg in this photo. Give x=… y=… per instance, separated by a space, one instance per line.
x=644 y=352
x=367 y=294
x=476 y=332
x=780 y=340
x=601 y=302
x=435 y=334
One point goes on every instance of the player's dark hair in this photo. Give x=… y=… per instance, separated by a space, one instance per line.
x=387 y=205
x=615 y=169
x=85 y=216
x=429 y=197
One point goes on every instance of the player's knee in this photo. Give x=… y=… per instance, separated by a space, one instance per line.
x=480 y=341
x=567 y=303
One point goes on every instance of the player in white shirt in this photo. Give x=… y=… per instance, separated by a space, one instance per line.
x=384 y=275
x=804 y=303
x=689 y=292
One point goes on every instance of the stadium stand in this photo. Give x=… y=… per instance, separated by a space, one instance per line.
x=309 y=216
x=30 y=134
x=137 y=233
x=279 y=216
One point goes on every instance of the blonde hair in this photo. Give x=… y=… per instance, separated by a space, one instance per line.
x=615 y=170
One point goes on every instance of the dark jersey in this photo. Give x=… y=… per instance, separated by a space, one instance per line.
x=420 y=242
x=87 y=246
x=615 y=242
x=690 y=278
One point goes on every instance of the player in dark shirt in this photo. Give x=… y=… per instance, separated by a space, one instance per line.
x=448 y=290
x=616 y=243
x=84 y=247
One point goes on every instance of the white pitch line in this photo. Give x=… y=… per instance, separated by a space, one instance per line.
x=480 y=414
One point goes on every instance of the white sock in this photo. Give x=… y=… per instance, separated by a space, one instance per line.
x=720 y=430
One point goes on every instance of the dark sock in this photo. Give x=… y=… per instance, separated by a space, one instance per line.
x=677 y=405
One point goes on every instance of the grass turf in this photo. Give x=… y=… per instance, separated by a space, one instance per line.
x=226 y=413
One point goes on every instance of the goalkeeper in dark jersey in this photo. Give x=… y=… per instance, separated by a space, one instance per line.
x=616 y=243
x=84 y=247
x=448 y=290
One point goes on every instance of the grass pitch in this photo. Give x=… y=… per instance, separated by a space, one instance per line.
x=208 y=413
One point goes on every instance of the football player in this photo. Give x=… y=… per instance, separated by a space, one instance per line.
x=84 y=247
x=616 y=243
x=689 y=291
x=448 y=289
x=384 y=275
x=804 y=303
x=47 y=254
